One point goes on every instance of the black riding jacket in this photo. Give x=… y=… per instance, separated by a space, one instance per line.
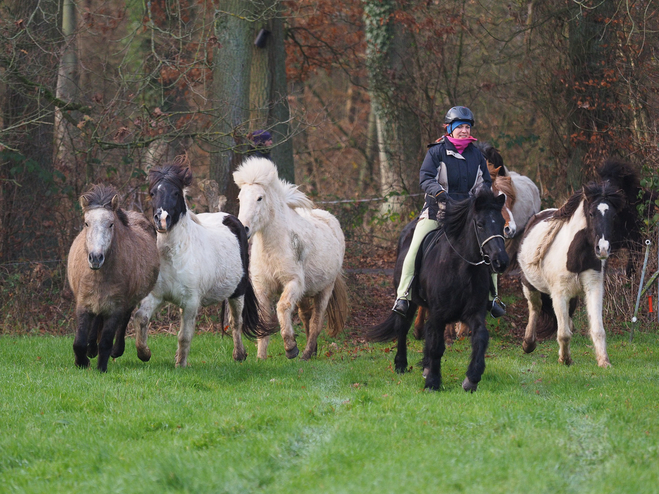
x=457 y=174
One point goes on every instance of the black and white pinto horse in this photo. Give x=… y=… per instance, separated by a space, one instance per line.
x=453 y=282
x=204 y=260
x=563 y=256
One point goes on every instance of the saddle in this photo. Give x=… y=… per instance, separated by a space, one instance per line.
x=429 y=242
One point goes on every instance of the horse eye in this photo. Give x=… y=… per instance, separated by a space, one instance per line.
x=260 y=198
x=86 y=224
x=111 y=225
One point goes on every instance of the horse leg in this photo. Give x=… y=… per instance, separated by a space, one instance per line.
x=534 y=300
x=110 y=326
x=148 y=306
x=320 y=302
x=120 y=339
x=564 y=335
x=293 y=292
x=433 y=352
x=92 y=338
x=185 y=334
x=85 y=321
x=594 y=290
x=419 y=322
x=304 y=310
x=236 y=309
x=402 y=328
x=265 y=304
x=480 y=338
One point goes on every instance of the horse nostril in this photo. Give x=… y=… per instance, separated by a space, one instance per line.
x=247 y=231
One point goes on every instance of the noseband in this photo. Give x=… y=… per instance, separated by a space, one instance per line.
x=485 y=259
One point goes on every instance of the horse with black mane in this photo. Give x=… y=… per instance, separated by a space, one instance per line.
x=204 y=260
x=563 y=256
x=112 y=264
x=453 y=282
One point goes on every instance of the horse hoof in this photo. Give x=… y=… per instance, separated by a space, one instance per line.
x=239 y=356
x=604 y=363
x=567 y=361
x=528 y=347
x=83 y=364
x=117 y=352
x=92 y=351
x=292 y=353
x=467 y=385
x=144 y=354
x=426 y=371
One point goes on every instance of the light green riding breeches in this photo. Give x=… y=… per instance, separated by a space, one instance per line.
x=423 y=227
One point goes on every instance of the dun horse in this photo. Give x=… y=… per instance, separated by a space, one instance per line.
x=453 y=282
x=113 y=263
x=203 y=261
x=297 y=255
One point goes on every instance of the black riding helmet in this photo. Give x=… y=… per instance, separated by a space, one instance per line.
x=459 y=113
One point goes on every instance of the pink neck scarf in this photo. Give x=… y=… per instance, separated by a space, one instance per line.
x=461 y=144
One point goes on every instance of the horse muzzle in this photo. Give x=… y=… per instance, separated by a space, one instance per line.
x=603 y=249
x=95 y=260
x=509 y=231
x=163 y=221
x=499 y=262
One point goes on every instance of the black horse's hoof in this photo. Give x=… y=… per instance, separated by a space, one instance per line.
x=292 y=353
x=92 y=351
x=468 y=386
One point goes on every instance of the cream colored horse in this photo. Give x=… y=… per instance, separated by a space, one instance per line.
x=297 y=255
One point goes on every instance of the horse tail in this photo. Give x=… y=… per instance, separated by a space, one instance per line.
x=393 y=326
x=547 y=323
x=337 y=307
x=253 y=321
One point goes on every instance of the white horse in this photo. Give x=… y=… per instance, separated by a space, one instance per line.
x=203 y=261
x=296 y=251
x=562 y=256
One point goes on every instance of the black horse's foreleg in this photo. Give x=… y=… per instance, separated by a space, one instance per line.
x=402 y=328
x=120 y=340
x=107 y=337
x=92 y=337
x=85 y=322
x=432 y=354
x=479 y=341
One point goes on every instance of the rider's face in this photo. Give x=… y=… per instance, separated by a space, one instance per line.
x=461 y=131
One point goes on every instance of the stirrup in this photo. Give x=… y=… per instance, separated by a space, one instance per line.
x=496 y=307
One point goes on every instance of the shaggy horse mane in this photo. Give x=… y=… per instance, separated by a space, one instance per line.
x=174 y=173
x=592 y=191
x=100 y=196
x=623 y=175
x=262 y=171
x=457 y=212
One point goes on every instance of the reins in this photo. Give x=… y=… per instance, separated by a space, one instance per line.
x=485 y=259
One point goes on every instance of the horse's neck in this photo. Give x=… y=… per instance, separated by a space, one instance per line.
x=466 y=242
x=178 y=237
x=275 y=231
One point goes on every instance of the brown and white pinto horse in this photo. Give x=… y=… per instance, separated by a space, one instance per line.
x=563 y=256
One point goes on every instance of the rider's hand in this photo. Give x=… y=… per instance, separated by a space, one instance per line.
x=441 y=196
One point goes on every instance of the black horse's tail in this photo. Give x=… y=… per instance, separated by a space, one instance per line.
x=547 y=322
x=393 y=327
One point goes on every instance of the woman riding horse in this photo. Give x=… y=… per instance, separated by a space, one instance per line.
x=453 y=167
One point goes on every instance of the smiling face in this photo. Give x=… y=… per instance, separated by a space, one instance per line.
x=99 y=232
x=461 y=131
x=254 y=207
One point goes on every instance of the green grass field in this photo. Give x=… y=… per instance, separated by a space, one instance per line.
x=344 y=422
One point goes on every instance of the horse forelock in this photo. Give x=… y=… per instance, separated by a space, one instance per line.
x=256 y=171
x=605 y=191
x=177 y=175
x=100 y=196
x=505 y=185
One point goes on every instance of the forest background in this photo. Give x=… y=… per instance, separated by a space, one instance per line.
x=351 y=90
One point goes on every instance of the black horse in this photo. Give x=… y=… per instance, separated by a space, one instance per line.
x=453 y=282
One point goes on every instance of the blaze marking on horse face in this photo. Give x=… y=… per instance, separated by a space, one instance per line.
x=603 y=245
x=603 y=208
x=163 y=218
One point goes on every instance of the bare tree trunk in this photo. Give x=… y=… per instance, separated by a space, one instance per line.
x=398 y=128
x=231 y=74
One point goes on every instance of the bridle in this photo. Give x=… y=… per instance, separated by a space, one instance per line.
x=485 y=259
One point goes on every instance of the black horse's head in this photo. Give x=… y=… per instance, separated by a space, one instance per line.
x=166 y=185
x=602 y=203
x=478 y=222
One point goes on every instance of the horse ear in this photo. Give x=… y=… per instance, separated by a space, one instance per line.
x=115 y=202
x=187 y=177
x=500 y=200
x=84 y=202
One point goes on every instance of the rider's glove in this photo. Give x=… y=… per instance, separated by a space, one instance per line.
x=441 y=196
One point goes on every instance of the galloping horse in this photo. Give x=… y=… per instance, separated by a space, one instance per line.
x=453 y=282
x=203 y=261
x=297 y=252
x=562 y=256
x=113 y=263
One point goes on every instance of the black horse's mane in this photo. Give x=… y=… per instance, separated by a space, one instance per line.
x=492 y=155
x=457 y=212
x=624 y=176
x=174 y=173
x=592 y=191
x=100 y=196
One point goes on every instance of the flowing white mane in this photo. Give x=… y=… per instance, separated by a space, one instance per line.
x=263 y=172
